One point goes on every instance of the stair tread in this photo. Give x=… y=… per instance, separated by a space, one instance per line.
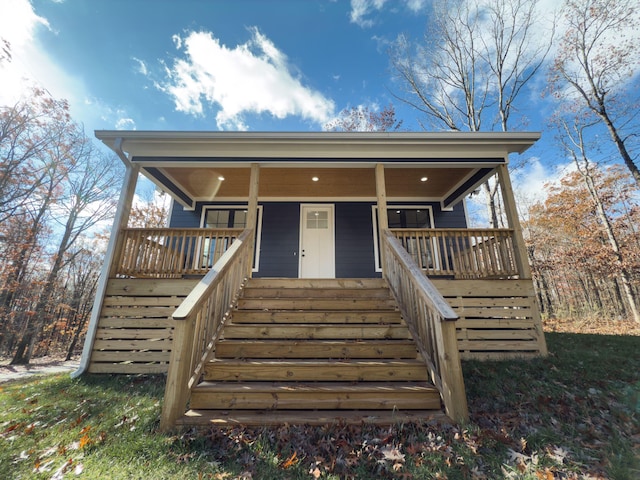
x=309 y=417
x=318 y=362
x=327 y=387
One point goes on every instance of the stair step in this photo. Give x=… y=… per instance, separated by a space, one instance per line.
x=317 y=283
x=332 y=293
x=267 y=304
x=319 y=396
x=316 y=370
x=309 y=417
x=316 y=316
x=374 y=349
x=295 y=331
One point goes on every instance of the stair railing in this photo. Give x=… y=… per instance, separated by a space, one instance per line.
x=198 y=322
x=431 y=322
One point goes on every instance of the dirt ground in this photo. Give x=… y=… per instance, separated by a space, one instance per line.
x=38 y=366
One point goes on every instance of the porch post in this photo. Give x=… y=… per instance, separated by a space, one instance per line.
x=522 y=259
x=383 y=219
x=252 y=211
x=108 y=268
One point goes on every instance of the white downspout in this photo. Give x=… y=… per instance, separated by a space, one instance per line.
x=120 y=220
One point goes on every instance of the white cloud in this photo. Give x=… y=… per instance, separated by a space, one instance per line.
x=31 y=66
x=361 y=9
x=529 y=187
x=529 y=182
x=125 y=124
x=18 y=26
x=142 y=66
x=252 y=78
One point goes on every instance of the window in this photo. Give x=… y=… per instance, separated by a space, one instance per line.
x=409 y=217
x=404 y=216
x=227 y=216
x=317 y=219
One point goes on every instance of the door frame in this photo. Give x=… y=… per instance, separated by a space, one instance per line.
x=332 y=222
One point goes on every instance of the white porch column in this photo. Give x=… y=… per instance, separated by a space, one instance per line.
x=383 y=219
x=108 y=269
x=511 y=210
x=252 y=211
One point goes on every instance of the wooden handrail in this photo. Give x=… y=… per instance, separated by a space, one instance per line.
x=198 y=322
x=431 y=322
x=171 y=252
x=462 y=252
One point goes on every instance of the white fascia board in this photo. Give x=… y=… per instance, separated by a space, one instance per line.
x=319 y=144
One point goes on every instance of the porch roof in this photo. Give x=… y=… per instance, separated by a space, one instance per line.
x=203 y=166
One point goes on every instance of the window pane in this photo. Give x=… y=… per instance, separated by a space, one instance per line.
x=217 y=218
x=408 y=218
x=239 y=219
x=226 y=218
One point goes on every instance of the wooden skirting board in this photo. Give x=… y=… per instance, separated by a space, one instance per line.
x=135 y=330
x=499 y=319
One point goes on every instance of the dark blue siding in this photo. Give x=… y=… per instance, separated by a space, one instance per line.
x=354 y=241
x=446 y=219
x=280 y=240
x=354 y=235
x=181 y=218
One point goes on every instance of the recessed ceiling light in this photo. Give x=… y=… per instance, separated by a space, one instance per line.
x=315 y=179
x=221 y=178
x=424 y=179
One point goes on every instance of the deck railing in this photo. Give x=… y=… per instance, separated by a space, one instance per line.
x=461 y=252
x=171 y=252
x=431 y=322
x=198 y=322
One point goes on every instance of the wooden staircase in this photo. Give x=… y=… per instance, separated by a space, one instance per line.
x=314 y=351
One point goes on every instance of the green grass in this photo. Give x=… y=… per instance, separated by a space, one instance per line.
x=572 y=414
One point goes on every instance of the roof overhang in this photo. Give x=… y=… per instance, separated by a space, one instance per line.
x=188 y=165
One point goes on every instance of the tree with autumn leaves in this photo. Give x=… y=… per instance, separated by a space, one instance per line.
x=55 y=188
x=576 y=269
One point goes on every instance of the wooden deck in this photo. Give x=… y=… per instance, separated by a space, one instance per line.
x=314 y=351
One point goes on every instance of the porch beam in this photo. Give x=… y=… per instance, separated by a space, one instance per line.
x=511 y=211
x=252 y=211
x=383 y=219
x=109 y=267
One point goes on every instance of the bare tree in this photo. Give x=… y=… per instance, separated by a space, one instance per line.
x=89 y=198
x=597 y=65
x=30 y=135
x=475 y=61
x=364 y=119
x=573 y=140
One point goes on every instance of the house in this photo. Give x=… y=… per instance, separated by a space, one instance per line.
x=313 y=277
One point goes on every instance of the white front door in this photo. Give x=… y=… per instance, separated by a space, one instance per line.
x=317 y=242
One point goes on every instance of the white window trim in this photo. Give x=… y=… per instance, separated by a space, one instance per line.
x=374 y=215
x=238 y=206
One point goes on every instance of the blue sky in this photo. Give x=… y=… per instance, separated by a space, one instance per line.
x=261 y=65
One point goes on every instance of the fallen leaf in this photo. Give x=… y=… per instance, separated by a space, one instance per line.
x=291 y=461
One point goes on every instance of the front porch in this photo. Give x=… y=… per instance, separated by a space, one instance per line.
x=173 y=300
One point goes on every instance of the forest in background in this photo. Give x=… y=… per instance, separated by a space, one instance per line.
x=58 y=189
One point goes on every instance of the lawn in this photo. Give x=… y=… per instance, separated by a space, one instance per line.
x=574 y=414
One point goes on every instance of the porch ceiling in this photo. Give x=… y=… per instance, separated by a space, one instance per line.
x=205 y=184
x=190 y=165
